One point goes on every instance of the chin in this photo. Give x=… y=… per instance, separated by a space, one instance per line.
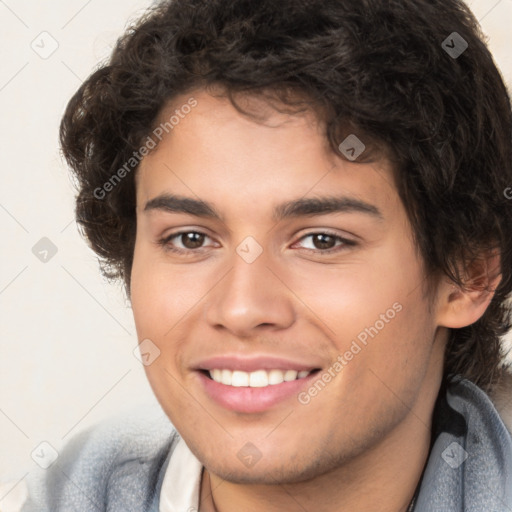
x=274 y=472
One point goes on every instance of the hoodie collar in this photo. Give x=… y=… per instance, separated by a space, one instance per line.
x=470 y=462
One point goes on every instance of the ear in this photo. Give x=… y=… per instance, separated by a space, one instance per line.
x=459 y=307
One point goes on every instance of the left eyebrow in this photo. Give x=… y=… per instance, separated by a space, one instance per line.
x=323 y=206
x=295 y=208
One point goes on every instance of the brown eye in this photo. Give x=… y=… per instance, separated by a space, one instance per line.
x=184 y=242
x=192 y=240
x=323 y=241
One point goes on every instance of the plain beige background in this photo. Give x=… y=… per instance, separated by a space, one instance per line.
x=66 y=348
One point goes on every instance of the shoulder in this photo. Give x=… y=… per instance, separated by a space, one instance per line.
x=117 y=461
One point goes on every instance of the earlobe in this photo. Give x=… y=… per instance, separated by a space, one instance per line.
x=462 y=306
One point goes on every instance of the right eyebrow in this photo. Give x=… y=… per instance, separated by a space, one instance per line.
x=180 y=204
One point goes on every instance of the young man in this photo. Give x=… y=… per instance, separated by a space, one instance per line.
x=306 y=203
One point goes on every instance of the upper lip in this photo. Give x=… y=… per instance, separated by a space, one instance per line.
x=251 y=364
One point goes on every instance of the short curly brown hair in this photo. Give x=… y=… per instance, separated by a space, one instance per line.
x=388 y=69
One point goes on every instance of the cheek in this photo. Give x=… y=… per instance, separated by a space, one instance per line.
x=161 y=293
x=373 y=312
x=157 y=308
x=352 y=296
x=165 y=297
x=152 y=303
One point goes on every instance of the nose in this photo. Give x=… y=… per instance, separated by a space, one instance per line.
x=250 y=297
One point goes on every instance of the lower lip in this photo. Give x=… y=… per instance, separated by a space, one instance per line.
x=252 y=400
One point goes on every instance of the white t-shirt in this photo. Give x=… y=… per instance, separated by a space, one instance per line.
x=182 y=481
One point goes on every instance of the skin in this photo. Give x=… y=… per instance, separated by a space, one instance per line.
x=363 y=440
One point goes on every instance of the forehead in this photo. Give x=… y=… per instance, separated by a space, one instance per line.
x=216 y=151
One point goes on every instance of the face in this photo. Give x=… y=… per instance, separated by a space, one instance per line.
x=297 y=287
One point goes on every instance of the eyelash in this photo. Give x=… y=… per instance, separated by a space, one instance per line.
x=165 y=243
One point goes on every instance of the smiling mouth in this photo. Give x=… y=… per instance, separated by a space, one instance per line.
x=256 y=379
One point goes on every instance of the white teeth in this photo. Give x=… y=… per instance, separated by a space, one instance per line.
x=256 y=379
x=290 y=375
x=275 y=377
x=239 y=379
x=225 y=377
